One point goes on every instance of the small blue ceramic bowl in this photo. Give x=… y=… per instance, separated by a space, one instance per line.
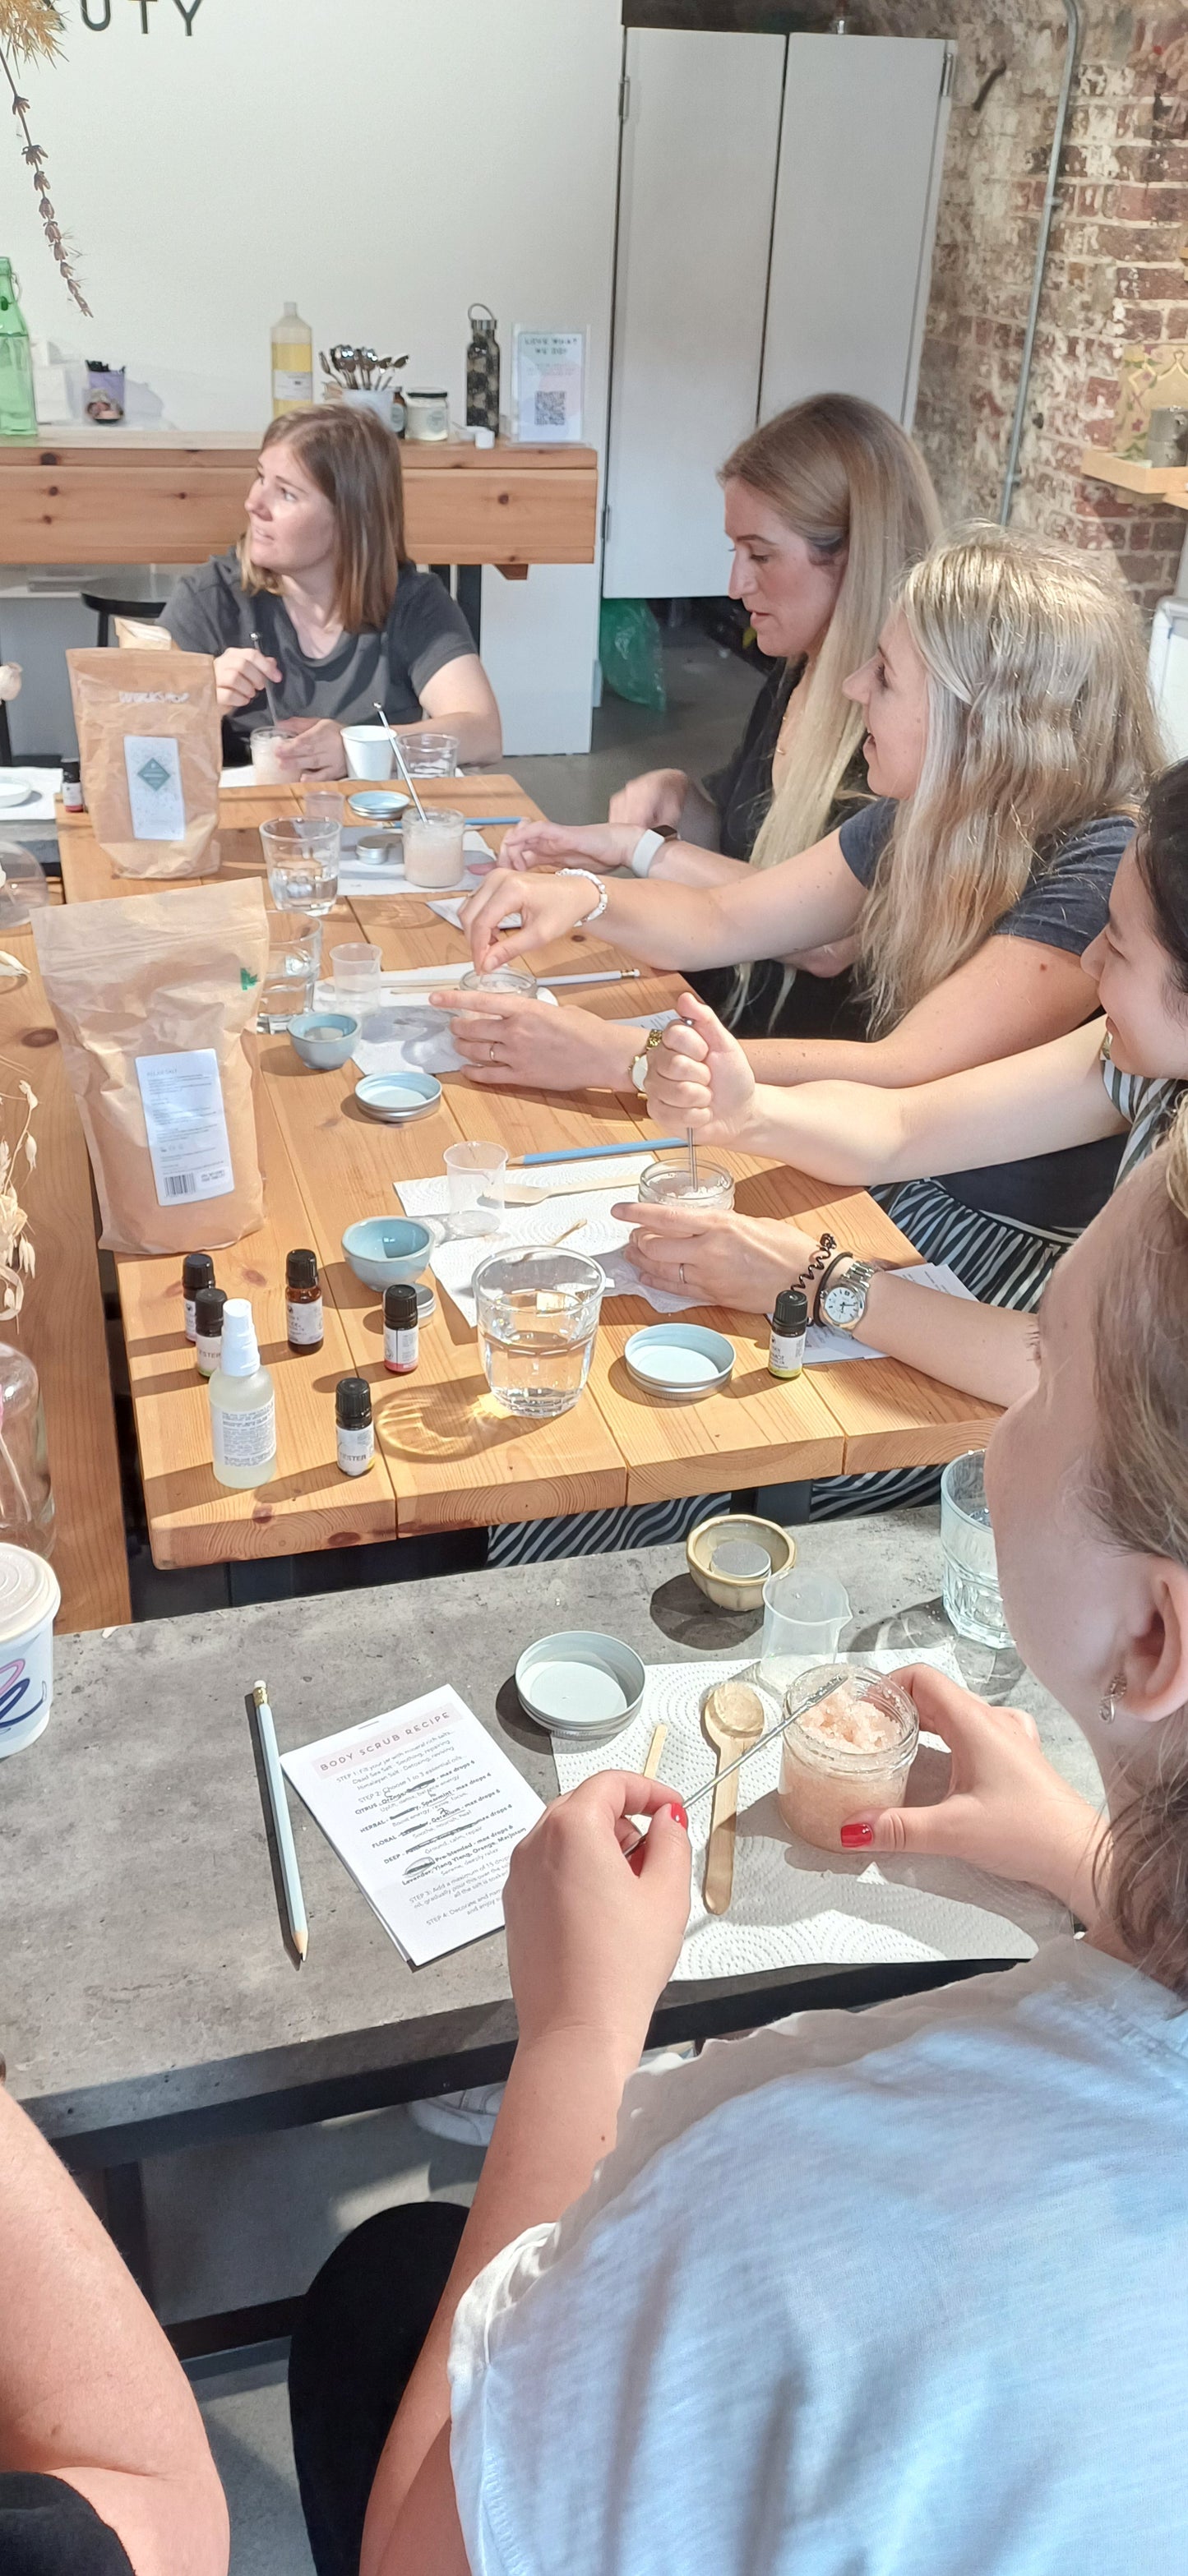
x=383 y=1250
x=323 y=1039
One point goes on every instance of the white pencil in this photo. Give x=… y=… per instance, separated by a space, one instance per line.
x=282 y=1823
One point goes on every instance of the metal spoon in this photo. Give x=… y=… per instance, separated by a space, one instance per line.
x=400 y=760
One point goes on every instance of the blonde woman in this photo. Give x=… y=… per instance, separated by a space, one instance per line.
x=894 y=2291
x=322 y=576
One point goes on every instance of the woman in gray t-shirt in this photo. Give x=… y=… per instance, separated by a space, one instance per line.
x=344 y=619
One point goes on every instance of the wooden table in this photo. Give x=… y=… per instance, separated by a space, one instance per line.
x=448 y=1456
x=166 y=496
x=60 y=1326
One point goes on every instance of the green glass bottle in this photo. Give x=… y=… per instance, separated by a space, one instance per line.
x=18 y=416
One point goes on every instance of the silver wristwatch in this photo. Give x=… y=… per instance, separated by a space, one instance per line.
x=842 y=1301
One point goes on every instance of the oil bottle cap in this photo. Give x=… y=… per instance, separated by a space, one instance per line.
x=352 y=1403
x=301 y=1270
x=791 y=1311
x=197 y=1273
x=241 y=1354
x=208 y=1311
x=400 y=1308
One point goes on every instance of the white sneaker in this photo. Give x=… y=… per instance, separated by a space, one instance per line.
x=469 y=2117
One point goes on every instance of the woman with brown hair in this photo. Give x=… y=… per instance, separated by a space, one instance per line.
x=322 y=577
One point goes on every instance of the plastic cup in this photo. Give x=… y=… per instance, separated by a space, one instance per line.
x=803 y=1614
x=476 y=1175
x=428 y=755
x=302 y=862
x=323 y=805
x=500 y=979
x=30 y=1598
x=433 y=852
x=670 y=1178
x=973 y=1602
x=355 y=968
x=267 y=767
x=368 y=751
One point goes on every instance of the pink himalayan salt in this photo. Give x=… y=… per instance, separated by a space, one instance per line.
x=817 y=1796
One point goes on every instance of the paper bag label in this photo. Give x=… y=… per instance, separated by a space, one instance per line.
x=186 y=1125
x=153 y=766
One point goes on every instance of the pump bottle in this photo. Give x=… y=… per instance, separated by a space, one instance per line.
x=242 y=1405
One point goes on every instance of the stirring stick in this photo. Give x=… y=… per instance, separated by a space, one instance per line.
x=401 y=763
x=708 y=1786
x=655 y=1749
x=268 y=684
x=282 y=1823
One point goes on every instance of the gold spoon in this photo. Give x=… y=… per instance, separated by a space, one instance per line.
x=733 y=1717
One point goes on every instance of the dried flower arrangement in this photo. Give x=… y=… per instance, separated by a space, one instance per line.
x=29 y=33
x=17 y=1262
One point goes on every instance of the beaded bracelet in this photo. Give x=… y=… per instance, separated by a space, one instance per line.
x=600 y=889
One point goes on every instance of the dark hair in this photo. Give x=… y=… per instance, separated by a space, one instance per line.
x=355 y=462
x=1161 y=853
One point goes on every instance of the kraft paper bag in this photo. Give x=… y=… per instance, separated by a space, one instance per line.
x=150 y=748
x=153 y=996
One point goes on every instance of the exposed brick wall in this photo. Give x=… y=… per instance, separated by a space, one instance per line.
x=1115 y=273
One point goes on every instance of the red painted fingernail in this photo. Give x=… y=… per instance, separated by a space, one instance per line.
x=677 y=1812
x=854 y=1836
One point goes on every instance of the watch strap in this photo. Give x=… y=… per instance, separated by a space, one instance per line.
x=644 y=852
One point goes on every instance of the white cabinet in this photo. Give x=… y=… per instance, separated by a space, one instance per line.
x=777 y=203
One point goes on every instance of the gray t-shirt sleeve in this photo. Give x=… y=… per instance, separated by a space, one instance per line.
x=864 y=837
x=1065 y=903
x=427 y=627
x=191 y=614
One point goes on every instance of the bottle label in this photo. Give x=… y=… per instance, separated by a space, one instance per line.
x=356 y=1448
x=290 y=385
x=401 y=1350
x=152 y=765
x=786 y=1357
x=208 y=1351
x=188 y=1312
x=304 y=1323
x=185 y=1125
x=244 y=1439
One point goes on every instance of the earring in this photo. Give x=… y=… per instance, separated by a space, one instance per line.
x=1109 y=1706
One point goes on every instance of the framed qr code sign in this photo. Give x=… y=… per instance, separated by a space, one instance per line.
x=548 y=375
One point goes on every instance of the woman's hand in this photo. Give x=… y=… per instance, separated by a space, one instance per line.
x=658 y=797
x=550 y=908
x=240 y=675
x=722 y=1259
x=699 y=1077
x=549 y=845
x=592 y=1938
x=508 y=1038
x=1006 y=1810
x=312 y=750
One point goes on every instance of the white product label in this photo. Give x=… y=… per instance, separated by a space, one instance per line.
x=787 y=1354
x=356 y=1448
x=290 y=387
x=186 y=1125
x=304 y=1323
x=400 y=1349
x=244 y=1439
x=208 y=1351
x=153 y=766
x=188 y=1312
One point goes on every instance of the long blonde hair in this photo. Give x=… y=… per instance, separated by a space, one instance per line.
x=839 y=472
x=1039 y=718
x=355 y=462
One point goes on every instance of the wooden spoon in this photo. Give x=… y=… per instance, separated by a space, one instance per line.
x=732 y=1715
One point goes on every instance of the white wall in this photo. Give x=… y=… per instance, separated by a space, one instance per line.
x=384 y=163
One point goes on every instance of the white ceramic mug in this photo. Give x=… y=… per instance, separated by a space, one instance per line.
x=368 y=750
x=30 y=1598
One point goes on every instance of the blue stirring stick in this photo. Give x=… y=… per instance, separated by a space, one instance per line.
x=591 y=1153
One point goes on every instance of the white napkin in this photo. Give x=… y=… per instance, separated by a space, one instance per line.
x=389 y=878
x=36 y=801
x=399 y=1033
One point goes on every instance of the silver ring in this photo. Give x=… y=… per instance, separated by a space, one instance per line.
x=681 y=1274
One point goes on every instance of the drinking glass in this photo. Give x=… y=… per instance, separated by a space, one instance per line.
x=537 y=1318
x=500 y=979
x=973 y=1602
x=267 y=768
x=476 y=1178
x=433 y=849
x=323 y=805
x=803 y=1614
x=669 y=1178
x=294 y=956
x=428 y=755
x=302 y=863
x=355 y=968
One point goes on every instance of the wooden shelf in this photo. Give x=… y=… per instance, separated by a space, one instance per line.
x=1132 y=474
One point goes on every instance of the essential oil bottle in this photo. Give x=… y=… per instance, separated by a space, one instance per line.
x=402 y=1335
x=208 y=1329
x=197 y=1273
x=304 y=1321
x=789 y=1325
x=353 y=1425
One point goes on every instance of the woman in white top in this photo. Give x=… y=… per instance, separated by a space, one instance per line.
x=901 y=2293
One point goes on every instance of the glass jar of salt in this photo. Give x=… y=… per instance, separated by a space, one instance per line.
x=850 y=1752
x=433 y=846
x=671 y=1176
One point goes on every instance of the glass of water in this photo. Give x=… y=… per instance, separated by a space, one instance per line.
x=537 y=1318
x=973 y=1602
x=294 y=957
x=427 y=754
x=302 y=862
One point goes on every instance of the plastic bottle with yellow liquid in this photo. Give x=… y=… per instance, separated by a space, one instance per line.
x=292 y=363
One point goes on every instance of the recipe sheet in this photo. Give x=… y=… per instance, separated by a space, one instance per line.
x=425 y=1810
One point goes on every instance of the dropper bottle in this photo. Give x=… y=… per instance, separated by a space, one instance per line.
x=242 y=1405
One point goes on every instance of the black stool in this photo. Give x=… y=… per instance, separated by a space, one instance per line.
x=106 y=608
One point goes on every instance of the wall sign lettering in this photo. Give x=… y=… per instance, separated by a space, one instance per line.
x=187 y=10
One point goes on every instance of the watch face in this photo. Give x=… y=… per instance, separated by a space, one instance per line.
x=843 y=1304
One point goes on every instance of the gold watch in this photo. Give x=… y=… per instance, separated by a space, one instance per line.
x=639 y=1063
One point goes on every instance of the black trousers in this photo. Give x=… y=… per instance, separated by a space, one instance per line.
x=364 y=2320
